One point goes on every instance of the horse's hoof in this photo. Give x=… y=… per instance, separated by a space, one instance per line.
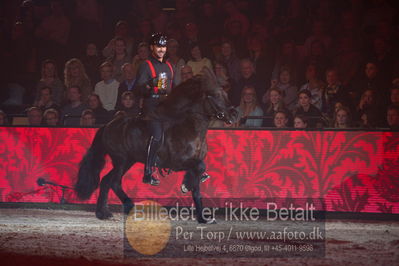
x=103 y=215
x=207 y=221
x=184 y=188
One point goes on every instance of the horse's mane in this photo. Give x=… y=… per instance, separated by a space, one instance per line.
x=183 y=97
x=188 y=96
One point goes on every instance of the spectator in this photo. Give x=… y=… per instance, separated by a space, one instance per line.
x=51 y=117
x=236 y=26
x=342 y=119
x=280 y=120
x=54 y=31
x=393 y=117
x=191 y=37
x=249 y=107
x=119 y=58
x=274 y=104
x=75 y=76
x=197 y=61
x=71 y=112
x=247 y=78
x=222 y=77
x=370 y=79
x=234 y=15
x=3 y=118
x=307 y=109
x=318 y=56
x=314 y=85
x=368 y=104
x=159 y=18
x=320 y=34
x=300 y=121
x=107 y=88
x=348 y=59
x=95 y=104
x=49 y=78
x=143 y=52
x=229 y=58
x=287 y=57
x=288 y=90
x=175 y=60
x=35 y=116
x=383 y=56
x=129 y=79
x=121 y=32
x=129 y=105
x=263 y=57
x=144 y=31
x=45 y=99
x=333 y=93
x=186 y=73
x=211 y=21
x=91 y=61
x=87 y=118
x=395 y=96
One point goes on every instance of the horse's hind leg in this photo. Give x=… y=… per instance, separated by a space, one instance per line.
x=102 y=211
x=119 y=192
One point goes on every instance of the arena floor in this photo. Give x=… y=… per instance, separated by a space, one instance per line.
x=71 y=237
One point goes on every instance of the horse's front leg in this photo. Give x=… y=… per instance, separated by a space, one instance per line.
x=193 y=179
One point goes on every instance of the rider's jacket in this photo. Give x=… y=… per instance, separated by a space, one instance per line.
x=154 y=79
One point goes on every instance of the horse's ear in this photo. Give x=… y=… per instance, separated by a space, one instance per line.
x=208 y=79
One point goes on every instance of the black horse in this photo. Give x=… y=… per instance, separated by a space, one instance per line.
x=186 y=113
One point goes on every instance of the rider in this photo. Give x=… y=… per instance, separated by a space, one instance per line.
x=154 y=81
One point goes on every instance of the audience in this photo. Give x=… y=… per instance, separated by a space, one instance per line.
x=393 y=117
x=249 y=107
x=280 y=120
x=35 y=116
x=87 y=118
x=45 y=99
x=95 y=104
x=51 y=117
x=3 y=118
x=353 y=52
x=307 y=109
x=49 y=78
x=300 y=121
x=107 y=88
x=197 y=60
x=71 y=112
x=186 y=73
x=75 y=76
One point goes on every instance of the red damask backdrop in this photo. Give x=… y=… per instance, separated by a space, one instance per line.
x=352 y=171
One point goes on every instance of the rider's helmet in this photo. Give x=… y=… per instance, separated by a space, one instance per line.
x=159 y=39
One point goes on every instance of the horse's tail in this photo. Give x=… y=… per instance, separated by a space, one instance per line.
x=90 y=167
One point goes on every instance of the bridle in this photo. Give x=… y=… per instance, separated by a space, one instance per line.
x=218 y=113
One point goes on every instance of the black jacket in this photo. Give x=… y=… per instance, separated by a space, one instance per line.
x=145 y=83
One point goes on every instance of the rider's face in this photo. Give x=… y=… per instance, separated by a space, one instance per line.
x=158 y=52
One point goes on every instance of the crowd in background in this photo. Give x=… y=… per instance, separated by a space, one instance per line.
x=282 y=63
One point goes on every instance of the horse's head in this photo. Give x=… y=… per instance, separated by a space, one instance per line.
x=216 y=102
x=200 y=95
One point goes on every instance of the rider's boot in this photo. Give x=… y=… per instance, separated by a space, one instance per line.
x=151 y=152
